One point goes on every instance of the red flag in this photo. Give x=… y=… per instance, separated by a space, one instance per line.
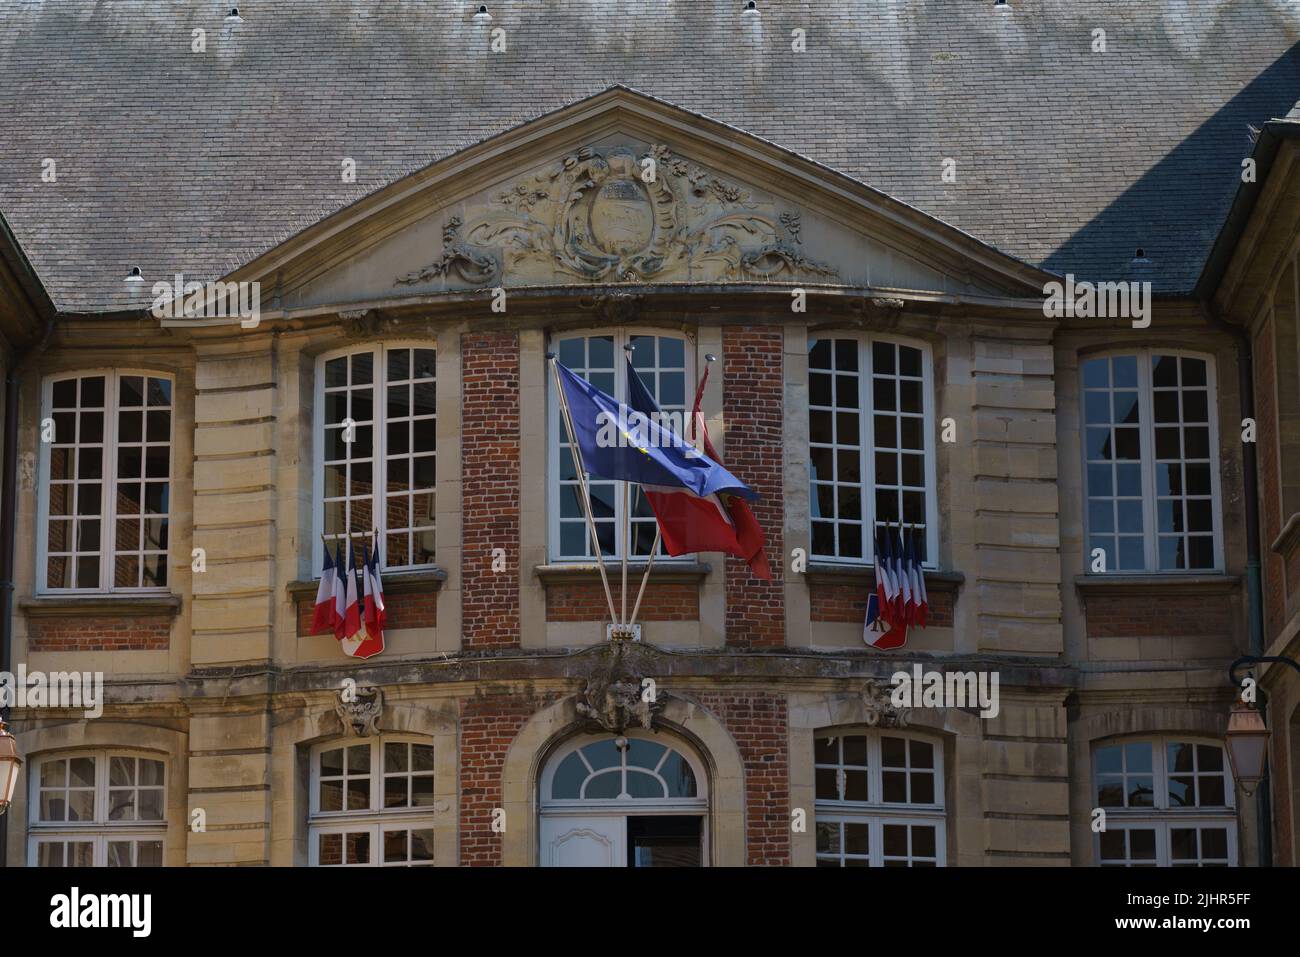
x=322 y=618
x=694 y=523
x=749 y=535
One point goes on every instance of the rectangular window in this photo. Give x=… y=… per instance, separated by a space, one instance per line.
x=662 y=362
x=377 y=431
x=371 y=804
x=1151 y=463
x=870 y=454
x=97 y=809
x=879 y=800
x=107 y=464
x=1168 y=803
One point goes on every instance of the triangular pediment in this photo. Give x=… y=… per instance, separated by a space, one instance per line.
x=622 y=188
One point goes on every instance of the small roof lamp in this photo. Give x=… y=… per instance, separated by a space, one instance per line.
x=1247 y=745
x=11 y=761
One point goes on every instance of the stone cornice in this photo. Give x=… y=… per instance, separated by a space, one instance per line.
x=828 y=573
x=62 y=606
x=588 y=572
x=395 y=583
x=1130 y=586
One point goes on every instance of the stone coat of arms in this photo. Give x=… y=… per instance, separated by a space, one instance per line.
x=614 y=216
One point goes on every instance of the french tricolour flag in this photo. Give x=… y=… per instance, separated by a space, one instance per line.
x=322 y=618
x=368 y=641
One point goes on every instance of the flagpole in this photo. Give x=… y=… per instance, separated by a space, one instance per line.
x=582 y=483
x=627 y=489
x=645 y=577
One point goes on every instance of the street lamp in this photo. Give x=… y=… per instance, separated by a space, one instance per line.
x=11 y=760
x=1247 y=744
x=1247 y=736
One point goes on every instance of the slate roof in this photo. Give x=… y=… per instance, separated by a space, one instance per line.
x=195 y=162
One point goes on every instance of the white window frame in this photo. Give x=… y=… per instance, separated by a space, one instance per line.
x=875 y=812
x=698 y=805
x=621 y=336
x=379 y=449
x=1146 y=431
x=867 y=447
x=1162 y=818
x=101 y=831
x=374 y=820
x=108 y=503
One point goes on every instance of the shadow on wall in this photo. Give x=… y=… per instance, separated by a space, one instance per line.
x=1175 y=211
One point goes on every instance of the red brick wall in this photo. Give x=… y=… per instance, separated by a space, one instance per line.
x=848 y=603
x=1270 y=491
x=100 y=633
x=1144 y=616
x=752 y=407
x=759 y=723
x=488 y=724
x=404 y=610
x=490 y=479
x=585 y=601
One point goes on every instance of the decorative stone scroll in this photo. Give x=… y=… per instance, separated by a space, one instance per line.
x=613 y=216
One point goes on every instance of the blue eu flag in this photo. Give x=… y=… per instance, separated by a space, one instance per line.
x=627 y=445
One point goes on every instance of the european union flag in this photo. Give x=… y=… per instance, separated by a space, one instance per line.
x=626 y=445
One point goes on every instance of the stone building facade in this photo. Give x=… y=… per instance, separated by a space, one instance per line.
x=1075 y=484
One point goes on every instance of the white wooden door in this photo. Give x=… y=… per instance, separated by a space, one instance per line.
x=574 y=841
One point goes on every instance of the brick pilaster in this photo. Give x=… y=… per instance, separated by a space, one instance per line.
x=752 y=407
x=760 y=723
x=488 y=724
x=490 y=479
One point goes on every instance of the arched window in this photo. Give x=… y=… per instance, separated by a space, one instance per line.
x=870 y=444
x=1168 y=801
x=372 y=803
x=622 y=769
x=106 y=458
x=664 y=363
x=376 y=450
x=880 y=799
x=634 y=800
x=1150 y=437
x=97 y=809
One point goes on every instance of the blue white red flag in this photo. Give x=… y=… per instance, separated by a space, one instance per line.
x=322 y=618
x=622 y=444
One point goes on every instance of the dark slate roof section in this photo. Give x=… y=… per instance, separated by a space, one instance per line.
x=176 y=161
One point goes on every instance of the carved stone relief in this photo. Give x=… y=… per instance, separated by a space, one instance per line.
x=614 y=698
x=614 y=216
x=360 y=710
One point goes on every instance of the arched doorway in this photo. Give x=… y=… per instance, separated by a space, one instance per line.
x=631 y=800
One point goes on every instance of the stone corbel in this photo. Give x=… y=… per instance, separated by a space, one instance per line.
x=880 y=708
x=614 y=697
x=359 y=709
